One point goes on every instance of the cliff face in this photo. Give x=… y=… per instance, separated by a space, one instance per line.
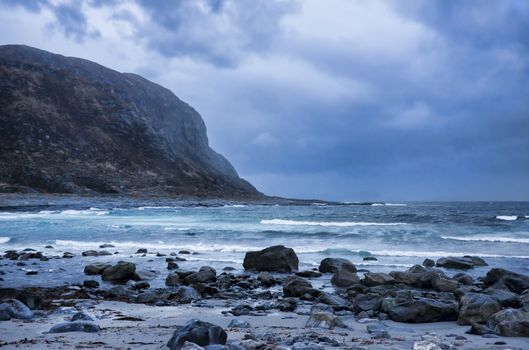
x=68 y=125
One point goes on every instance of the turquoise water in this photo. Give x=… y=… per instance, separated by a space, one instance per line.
x=399 y=235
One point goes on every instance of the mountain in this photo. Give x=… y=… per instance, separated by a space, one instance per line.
x=68 y=125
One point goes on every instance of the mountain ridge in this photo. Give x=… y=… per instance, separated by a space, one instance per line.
x=69 y=125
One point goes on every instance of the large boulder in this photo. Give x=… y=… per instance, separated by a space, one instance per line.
x=510 y=323
x=477 y=308
x=344 y=278
x=96 y=269
x=274 y=259
x=372 y=279
x=333 y=265
x=516 y=282
x=505 y=297
x=455 y=263
x=419 y=310
x=120 y=273
x=205 y=274
x=197 y=332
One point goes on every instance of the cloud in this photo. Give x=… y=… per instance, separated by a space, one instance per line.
x=351 y=100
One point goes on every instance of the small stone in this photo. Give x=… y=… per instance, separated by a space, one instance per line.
x=76 y=326
x=90 y=284
x=141 y=251
x=236 y=323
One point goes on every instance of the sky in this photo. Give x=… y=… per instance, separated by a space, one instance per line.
x=401 y=100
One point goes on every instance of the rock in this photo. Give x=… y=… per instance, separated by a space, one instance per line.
x=510 y=323
x=426 y=345
x=506 y=297
x=516 y=283
x=378 y=330
x=90 y=253
x=274 y=259
x=374 y=279
x=463 y=278
x=476 y=260
x=187 y=294
x=369 y=258
x=331 y=299
x=95 y=269
x=306 y=345
x=344 y=278
x=81 y=316
x=76 y=326
x=103 y=253
x=171 y=265
x=455 y=263
x=308 y=274
x=68 y=255
x=236 y=323
x=119 y=273
x=480 y=329
x=172 y=280
x=287 y=305
x=146 y=298
x=140 y=285
x=144 y=275
x=197 y=332
x=118 y=291
x=419 y=310
x=141 y=251
x=367 y=302
x=48 y=247
x=477 y=308
x=106 y=245
x=428 y=263
x=296 y=287
x=204 y=275
x=90 y=284
x=15 y=309
x=324 y=320
x=266 y=279
x=333 y=265
x=444 y=284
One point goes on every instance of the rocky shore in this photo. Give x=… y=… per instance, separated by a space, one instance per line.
x=270 y=304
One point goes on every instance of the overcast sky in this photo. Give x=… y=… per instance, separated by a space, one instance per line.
x=334 y=99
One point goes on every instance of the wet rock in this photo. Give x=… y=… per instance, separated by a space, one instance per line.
x=90 y=284
x=118 y=291
x=296 y=287
x=236 y=323
x=48 y=247
x=428 y=263
x=308 y=274
x=463 y=278
x=506 y=297
x=106 y=245
x=374 y=279
x=444 y=284
x=144 y=275
x=480 y=329
x=287 y=305
x=140 y=285
x=274 y=259
x=419 y=310
x=171 y=265
x=95 y=269
x=204 y=275
x=369 y=258
x=331 y=299
x=324 y=320
x=333 y=265
x=366 y=302
x=516 y=283
x=15 y=309
x=477 y=308
x=344 y=278
x=266 y=279
x=141 y=251
x=76 y=326
x=455 y=263
x=146 y=298
x=68 y=255
x=476 y=260
x=172 y=280
x=197 y=332
x=186 y=294
x=510 y=323
x=119 y=273
x=378 y=330
x=90 y=253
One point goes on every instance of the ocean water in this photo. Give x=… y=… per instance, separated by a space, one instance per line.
x=398 y=235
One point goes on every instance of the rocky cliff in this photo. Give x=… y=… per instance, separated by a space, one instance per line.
x=68 y=125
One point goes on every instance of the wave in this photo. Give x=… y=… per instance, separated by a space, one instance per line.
x=234 y=206
x=4 y=240
x=160 y=207
x=388 y=205
x=488 y=239
x=507 y=217
x=327 y=223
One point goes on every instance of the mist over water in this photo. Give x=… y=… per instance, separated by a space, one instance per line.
x=398 y=235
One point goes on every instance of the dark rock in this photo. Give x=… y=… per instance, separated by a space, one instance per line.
x=186 y=294
x=344 y=278
x=428 y=263
x=377 y=278
x=146 y=298
x=463 y=278
x=184 y=252
x=236 y=323
x=96 y=269
x=505 y=297
x=204 y=275
x=48 y=247
x=173 y=279
x=274 y=259
x=455 y=263
x=68 y=255
x=106 y=245
x=333 y=265
x=477 y=308
x=146 y=139
x=419 y=310
x=266 y=279
x=444 y=284
x=510 y=323
x=308 y=274
x=90 y=284
x=144 y=275
x=140 y=285
x=331 y=299
x=90 y=253
x=296 y=286
x=197 y=332
x=118 y=291
x=378 y=330
x=15 y=309
x=81 y=316
x=32 y=272
x=369 y=258
x=480 y=329
x=476 y=260
x=287 y=305
x=76 y=326
x=171 y=265
x=119 y=273
x=366 y=302
x=516 y=283
x=141 y=251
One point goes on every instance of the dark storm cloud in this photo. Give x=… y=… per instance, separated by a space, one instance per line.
x=343 y=99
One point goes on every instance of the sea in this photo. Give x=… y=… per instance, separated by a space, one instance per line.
x=218 y=234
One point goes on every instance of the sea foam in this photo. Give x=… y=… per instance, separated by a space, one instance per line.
x=488 y=239
x=507 y=217
x=327 y=223
x=4 y=240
